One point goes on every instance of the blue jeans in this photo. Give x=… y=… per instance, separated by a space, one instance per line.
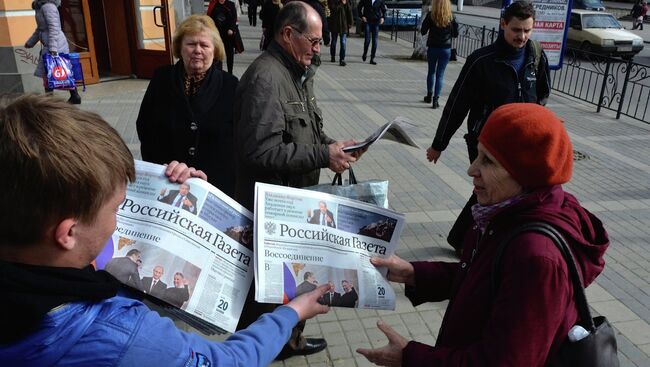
x=344 y=42
x=438 y=59
x=374 y=28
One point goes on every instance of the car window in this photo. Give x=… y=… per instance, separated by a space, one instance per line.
x=599 y=21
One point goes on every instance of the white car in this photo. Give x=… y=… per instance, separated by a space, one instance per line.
x=600 y=32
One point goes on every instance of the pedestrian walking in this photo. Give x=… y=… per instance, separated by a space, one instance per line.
x=512 y=69
x=270 y=10
x=341 y=21
x=224 y=15
x=252 y=12
x=639 y=11
x=441 y=25
x=49 y=33
x=372 y=13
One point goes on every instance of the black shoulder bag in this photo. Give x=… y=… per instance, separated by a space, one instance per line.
x=598 y=349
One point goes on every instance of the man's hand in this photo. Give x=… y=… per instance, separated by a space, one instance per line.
x=187 y=202
x=399 y=270
x=364 y=19
x=357 y=153
x=390 y=354
x=306 y=305
x=163 y=191
x=179 y=172
x=433 y=155
x=230 y=32
x=339 y=160
x=309 y=213
x=381 y=20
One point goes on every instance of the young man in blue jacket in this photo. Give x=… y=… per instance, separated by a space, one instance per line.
x=68 y=170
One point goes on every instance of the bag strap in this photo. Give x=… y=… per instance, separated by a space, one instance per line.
x=537 y=50
x=559 y=241
x=338 y=178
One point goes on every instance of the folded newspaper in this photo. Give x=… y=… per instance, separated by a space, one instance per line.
x=189 y=247
x=394 y=130
x=305 y=238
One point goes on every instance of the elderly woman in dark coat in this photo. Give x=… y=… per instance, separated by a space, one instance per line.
x=187 y=111
x=340 y=23
x=525 y=155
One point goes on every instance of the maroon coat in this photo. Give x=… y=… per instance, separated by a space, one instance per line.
x=533 y=310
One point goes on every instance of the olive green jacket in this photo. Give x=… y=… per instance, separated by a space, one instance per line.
x=279 y=136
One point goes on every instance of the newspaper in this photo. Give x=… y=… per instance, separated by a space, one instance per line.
x=394 y=130
x=304 y=238
x=194 y=244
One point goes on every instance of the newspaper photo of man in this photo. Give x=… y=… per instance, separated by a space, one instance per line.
x=322 y=215
x=153 y=285
x=125 y=268
x=179 y=293
x=181 y=198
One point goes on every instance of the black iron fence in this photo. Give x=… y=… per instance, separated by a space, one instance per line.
x=401 y=25
x=619 y=85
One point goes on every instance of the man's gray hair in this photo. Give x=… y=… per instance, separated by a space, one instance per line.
x=293 y=14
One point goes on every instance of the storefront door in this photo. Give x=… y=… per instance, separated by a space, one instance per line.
x=153 y=27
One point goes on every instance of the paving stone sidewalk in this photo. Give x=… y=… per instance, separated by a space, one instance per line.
x=611 y=180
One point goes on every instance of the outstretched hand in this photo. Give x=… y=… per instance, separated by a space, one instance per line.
x=180 y=172
x=306 y=305
x=339 y=160
x=433 y=155
x=390 y=354
x=399 y=270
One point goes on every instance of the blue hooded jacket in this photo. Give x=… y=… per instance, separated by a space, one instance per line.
x=120 y=331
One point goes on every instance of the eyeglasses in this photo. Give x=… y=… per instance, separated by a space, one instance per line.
x=314 y=41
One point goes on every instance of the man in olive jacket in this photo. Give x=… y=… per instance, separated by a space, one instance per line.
x=279 y=136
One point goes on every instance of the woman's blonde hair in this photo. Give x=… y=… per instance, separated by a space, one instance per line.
x=441 y=13
x=195 y=24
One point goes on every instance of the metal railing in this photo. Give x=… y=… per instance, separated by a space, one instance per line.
x=402 y=26
x=618 y=85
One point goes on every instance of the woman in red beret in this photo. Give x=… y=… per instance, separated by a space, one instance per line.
x=525 y=155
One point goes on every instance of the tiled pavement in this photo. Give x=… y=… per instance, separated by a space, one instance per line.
x=613 y=181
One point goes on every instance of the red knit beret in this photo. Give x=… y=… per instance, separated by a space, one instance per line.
x=530 y=142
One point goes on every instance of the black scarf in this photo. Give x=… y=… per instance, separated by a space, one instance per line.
x=28 y=292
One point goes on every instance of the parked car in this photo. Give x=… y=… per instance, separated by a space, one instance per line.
x=600 y=32
x=588 y=5
x=402 y=17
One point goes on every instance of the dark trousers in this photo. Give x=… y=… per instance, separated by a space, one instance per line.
x=252 y=15
x=372 y=32
x=344 y=41
x=465 y=219
x=230 y=55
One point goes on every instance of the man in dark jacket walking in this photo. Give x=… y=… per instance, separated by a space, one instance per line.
x=513 y=69
x=372 y=14
x=279 y=135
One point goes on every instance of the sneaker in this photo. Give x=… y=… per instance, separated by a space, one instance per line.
x=342 y=63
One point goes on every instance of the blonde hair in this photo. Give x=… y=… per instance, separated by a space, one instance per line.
x=195 y=24
x=62 y=162
x=441 y=13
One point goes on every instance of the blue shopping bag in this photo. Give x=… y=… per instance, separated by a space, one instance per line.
x=77 y=71
x=59 y=74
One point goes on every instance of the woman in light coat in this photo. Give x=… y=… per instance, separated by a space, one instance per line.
x=49 y=33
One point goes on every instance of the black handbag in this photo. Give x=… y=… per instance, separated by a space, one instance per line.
x=598 y=349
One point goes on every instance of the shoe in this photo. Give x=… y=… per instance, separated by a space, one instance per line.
x=312 y=345
x=75 y=98
x=363 y=57
x=333 y=59
x=342 y=63
x=435 y=103
x=427 y=98
x=372 y=62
